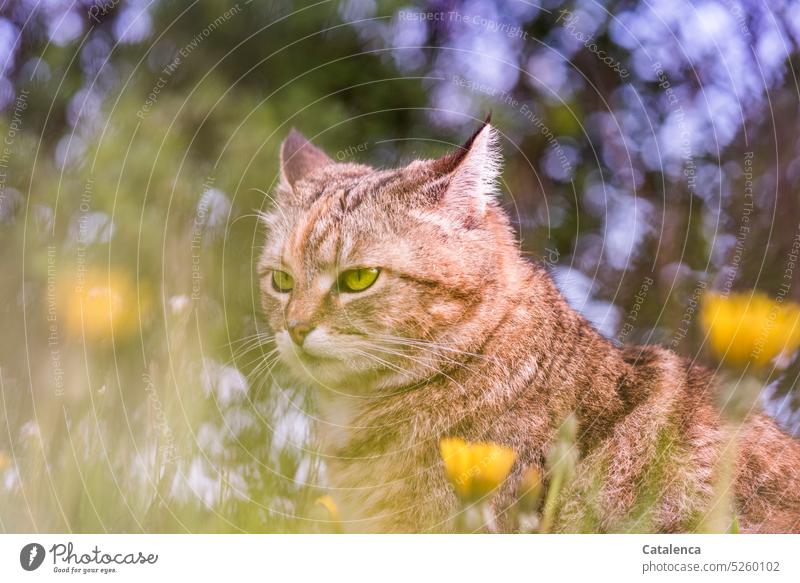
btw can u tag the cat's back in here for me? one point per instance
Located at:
(658, 374)
(674, 419)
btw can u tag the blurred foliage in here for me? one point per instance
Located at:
(140, 140)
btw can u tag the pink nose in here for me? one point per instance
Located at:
(298, 331)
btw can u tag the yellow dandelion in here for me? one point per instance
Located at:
(750, 328)
(328, 504)
(475, 469)
(99, 302)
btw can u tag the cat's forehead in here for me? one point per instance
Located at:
(337, 218)
(343, 181)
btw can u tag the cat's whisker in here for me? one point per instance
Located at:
(260, 357)
(258, 338)
(436, 355)
(268, 360)
(381, 361)
(430, 344)
(263, 379)
(242, 359)
(264, 370)
(237, 357)
(248, 343)
(249, 338)
(432, 349)
(373, 357)
(421, 362)
(240, 353)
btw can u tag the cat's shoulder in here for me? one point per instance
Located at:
(656, 370)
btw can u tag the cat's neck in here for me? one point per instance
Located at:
(550, 348)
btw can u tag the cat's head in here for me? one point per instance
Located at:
(377, 278)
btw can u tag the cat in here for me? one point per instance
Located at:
(400, 298)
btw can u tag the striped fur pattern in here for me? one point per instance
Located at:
(461, 336)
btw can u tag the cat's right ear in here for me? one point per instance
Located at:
(299, 158)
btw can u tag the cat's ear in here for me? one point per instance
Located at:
(299, 158)
(472, 172)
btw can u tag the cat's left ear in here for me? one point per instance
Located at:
(472, 171)
(299, 158)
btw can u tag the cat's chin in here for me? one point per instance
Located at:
(342, 376)
(343, 369)
(314, 366)
(326, 373)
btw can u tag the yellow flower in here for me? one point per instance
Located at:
(475, 469)
(329, 505)
(750, 328)
(99, 302)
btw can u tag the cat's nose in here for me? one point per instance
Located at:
(298, 331)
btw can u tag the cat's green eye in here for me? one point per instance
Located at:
(282, 281)
(356, 280)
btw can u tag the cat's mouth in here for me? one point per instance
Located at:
(316, 356)
(332, 357)
(307, 356)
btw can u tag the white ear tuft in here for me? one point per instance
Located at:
(478, 171)
(473, 171)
